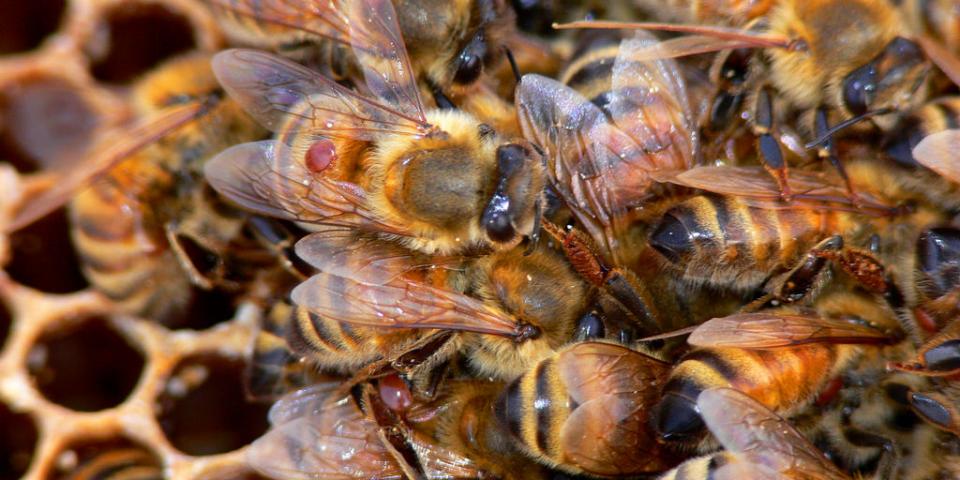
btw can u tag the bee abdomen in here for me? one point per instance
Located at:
(726, 241)
(532, 411)
(699, 468)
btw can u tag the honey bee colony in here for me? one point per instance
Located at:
(432, 239)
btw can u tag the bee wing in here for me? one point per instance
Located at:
(315, 437)
(376, 262)
(702, 38)
(768, 330)
(757, 187)
(944, 59)
(757, 435)
(380, 285)
(599, 170)
(316, 18)
(400, 303)
(254, 177)
(290, 98)
(938, 153)
(592, 369)
(58, 186)
(439, 461)
(613, 387)
(648, 101)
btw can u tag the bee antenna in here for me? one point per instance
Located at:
(442, 100)
(513, 63)
(844, 124)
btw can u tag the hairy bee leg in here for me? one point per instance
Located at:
(889, 459)
(771, 155)
(621, 286)
(190, 255)
(939, 356)
(862, 266)
(802, 279)
(827, 151)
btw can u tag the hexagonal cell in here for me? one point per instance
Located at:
(42, 120)
(26, 24)
(205, 309)
(203, 410)
(43, 256)
(18, 440)
(141, 36)
(113, 458)
(86, 366)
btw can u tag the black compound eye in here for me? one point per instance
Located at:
(470, 61)
(671, 239)
(678, 419)
(510, 158)
(859, 88)
(589, 327)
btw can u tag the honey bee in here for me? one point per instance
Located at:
(737, 240)
(438, 180)
(119, 464)
(589, 390)
(614, 123)
(783, 358)
(372, 298)
(876, 72)
(151, 230)
(757, 443)
(450, 43)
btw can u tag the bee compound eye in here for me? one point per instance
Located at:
(930, 409)
(590, 326)
(677, 419)
(938, 246)
(469, 67)
(859, 88)
(671, 239)
(510, 158)
(944, 357)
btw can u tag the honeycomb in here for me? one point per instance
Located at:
(76, 377)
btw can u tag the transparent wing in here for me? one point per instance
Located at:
(757, 435)
(317, 18)
(254, 177)
(377, 285)
(598, 170)
(314, 436)
(938, 152)
(769, 330)
(290, 98)
(343, 253)
(58, 186)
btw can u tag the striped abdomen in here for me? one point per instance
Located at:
(340, 346)
(700, 468)
(121, 244)
(781, 379)
(586, 410)
(727, 242)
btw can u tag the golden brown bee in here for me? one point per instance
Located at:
(939, 20)
(875, 71)
(373, 300)
(450, 43)
(151, 230)
(583, 410)
(616, 123)
(705, 11)
(438, 180)
(119, 464)
(783, 358)
(757, 443)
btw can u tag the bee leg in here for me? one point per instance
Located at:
(800, 282)
(890, 456)
(771, 155)
(861, 265)
(827, 151)
(279, 240)
(939, 356)
(937, 409)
